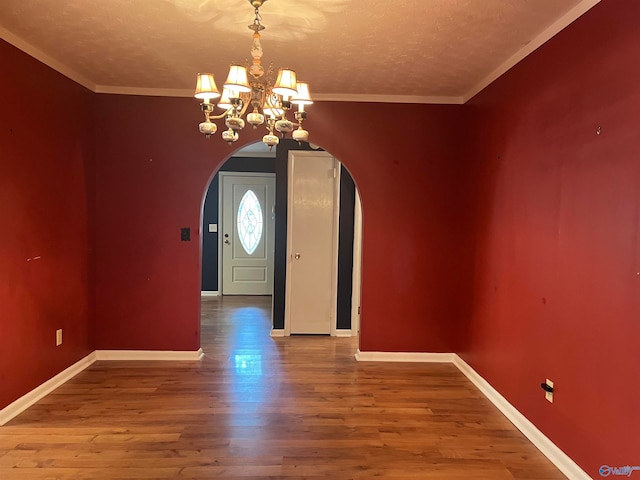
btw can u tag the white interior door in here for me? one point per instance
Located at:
(312, 243)
(247, 236)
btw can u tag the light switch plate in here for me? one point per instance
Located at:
(213, 227)
(549, 395)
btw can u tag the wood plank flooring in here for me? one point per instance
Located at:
(263, 408)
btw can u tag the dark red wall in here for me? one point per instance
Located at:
(152, 170)
(406, 161)
(46, 158)
(506, 229)
(557, 271)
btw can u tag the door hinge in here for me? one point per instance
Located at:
(358, 309)
(335, 172)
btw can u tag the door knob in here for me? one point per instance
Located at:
(297, 256)
(227, 242)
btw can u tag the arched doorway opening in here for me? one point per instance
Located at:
(254, 160)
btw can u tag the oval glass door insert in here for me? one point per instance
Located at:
(249, 222)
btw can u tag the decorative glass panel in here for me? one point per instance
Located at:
(249, 222)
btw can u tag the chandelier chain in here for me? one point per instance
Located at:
(256, 26)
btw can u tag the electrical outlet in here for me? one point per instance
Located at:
(549, 395)
(58, 337)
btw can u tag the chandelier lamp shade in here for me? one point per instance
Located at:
(251, 91)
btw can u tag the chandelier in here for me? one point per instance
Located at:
(253, 87)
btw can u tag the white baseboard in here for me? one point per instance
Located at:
(148, 355)
(539, 439)
(560, 459)
(20, 405)
(343, 333)
(209, 293)
(549, 449)
(404, 357)
(277, 332)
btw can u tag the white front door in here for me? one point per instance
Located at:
(312, 243)
(247, 236)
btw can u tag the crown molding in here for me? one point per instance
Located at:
(39, 55)
(320, 97)
(144, 92)
(557, 26)
(547, 34)
(365, 98)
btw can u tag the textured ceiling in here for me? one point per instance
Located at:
(424, 50)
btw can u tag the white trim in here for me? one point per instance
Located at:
(540, 39)
(557, 26)
(278, 332)
(404, 357)
(210, 293)
(560, 459)
(356, 279)
(144, 92)
(364, 98)
(539, 439)
(550, 450)
(335, 248)
(287, 285)
(49, 61)
(343, 332)
(20, 405)
(149, 355)
(220, 228)
(318, 97)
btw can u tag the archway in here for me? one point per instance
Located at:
(347, 305)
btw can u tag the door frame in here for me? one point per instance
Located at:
(221, 175)
(356, 289)
(290, 253)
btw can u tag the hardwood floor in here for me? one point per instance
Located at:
(263, 408)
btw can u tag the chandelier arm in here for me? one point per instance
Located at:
(218, 117)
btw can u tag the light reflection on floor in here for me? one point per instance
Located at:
(236, 332)
(248, 364)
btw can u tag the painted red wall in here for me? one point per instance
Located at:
(557, 271)
(152, 170)
(407, 163)
(46, 158)
(506, 229)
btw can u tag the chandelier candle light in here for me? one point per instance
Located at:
(253, 87)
